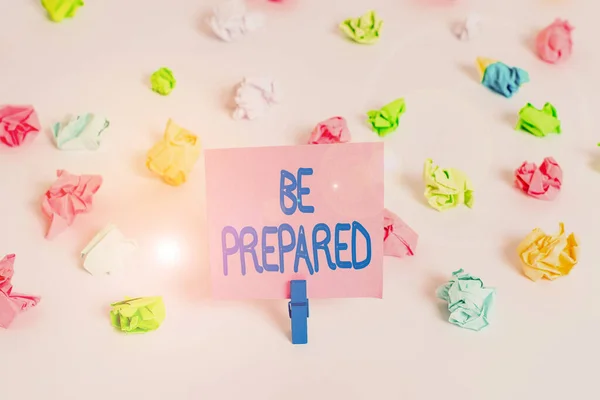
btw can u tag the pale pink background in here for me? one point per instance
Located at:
(242, 189)
(543, 339)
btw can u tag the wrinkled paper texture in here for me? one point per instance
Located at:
(17, 123)
(61, 9)
(163, 81)
(501, 78)
(11, 304)
(386, 120)
(548, 256)
(83, 132)
(231, 20)
(469, 28)
(469, 301)
(107, 252)
(174, 156)
(539, 122)
(446, 188)
(255, 96)
(399, 240)
(365, 29)
(139, 315)
(332, 130)
(554, 43)
(69, 196)
(541, 183)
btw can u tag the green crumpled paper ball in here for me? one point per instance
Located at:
(61, 9)
(138, 315)
(364, 30)
(539, 122)
(163, 81)
(469, 301)
(446, 188)
(386, 120)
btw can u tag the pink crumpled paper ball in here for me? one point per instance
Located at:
(554, 42)
(69, 196)
(11, 303)
(332, 130)
(16, 123)
(541, 183)
(399, 239)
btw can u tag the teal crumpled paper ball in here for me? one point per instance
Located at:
(469, 301)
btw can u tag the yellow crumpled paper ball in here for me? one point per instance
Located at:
(175, 155)
(548, 256)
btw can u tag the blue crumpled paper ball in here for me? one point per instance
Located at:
(503, 79)
(469, 301)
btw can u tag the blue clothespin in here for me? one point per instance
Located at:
(298, 310)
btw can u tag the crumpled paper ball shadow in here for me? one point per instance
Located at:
(11, 304)
(543, 182)
(399, 240)
(173, 157)
(446, 188)
(548, 256)
(17, 124)
(469, 301)
(554, 43)
(69, 196)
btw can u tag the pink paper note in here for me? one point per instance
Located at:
(543, 182)
(330, 193)
(16, 123)
(332, 130)
(68, 197)
(399, 239)
(11, 303)
(554, 42)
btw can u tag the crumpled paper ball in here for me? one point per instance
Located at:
(107, 252)
(163, 81)
(399, 240)
(332, 130)
(139, 315)
(539, 123)
(365, 29)
(548, 256)
(11, 303)
(541, 183)
(173, 157)
(469, 28)
(554, 43)
(231, 20)
(69, 196)
(386, 120)
(255, 96)
(81, 132)
(501, 78)
(17, 123)
(446, 188)
(61, 9)
(469, 301)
